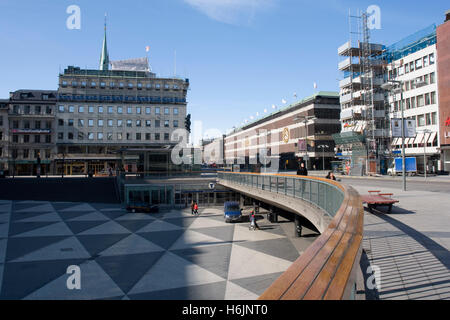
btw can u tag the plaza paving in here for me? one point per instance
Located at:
(122, 255)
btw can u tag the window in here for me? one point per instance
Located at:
(80, 136)
(166, 111)
(434, 118)
(83, 84)
(421, 120)
(147, 136)
(119, 123)
(413, 102)
(433, 98)
(90, 136)
(37, 138)
(411, 66)
(157, 136)
(37, 109)
(418, 64)
(109, 136)
(166, 137)
(91, 109)
(26, 153)
(139, 85)
(60, 135)
(129, 110)
(157, 123)
(48, 139)
(149, 85)
(47, 154)
(420, 101)
(166, 123)
(61, 109)
(110, 123)
(74, 83)
(37, 125)
(427, 99)
(166, 86)
(112, 84)
(14, 153)
(148, 110)
(26, 124)
(26, 138)
(426, 79)
(119, 136)
(121, 85)
(407, 68)
(428, 119)
(102, 84)
(80, 109)
(48, 110)
(15, 124)
(80, 123)
(36, 153)
(175, 111)
(64, 83)
(71, 109)
(158, 86)
(400, 71)
(119, 110)
(432, 58)
(100, 109)
(90, 123)
(128, 136)
(70, 122)
(148, 123)
(70, 136)
(15, 138)
(157, 110)
(407, 86)
(138, 136)
(130, 85)
(425, 61)
(138, 123)
(129, 123)
(100, 136)
(110, 110)
(100, 122)
(138, 110)
(432, 78)
(48, 124)
(93, 84)
(60, 122)
(408, 104)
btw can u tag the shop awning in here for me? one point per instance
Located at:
(431, 137)
(395, 141)
(419, 138)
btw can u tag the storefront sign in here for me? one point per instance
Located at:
(286, 135)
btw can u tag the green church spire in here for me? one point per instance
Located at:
(104, 58)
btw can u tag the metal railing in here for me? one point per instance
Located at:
(321, 193)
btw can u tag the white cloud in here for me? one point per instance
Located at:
(231, 11)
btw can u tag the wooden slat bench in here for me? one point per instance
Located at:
(381, 199)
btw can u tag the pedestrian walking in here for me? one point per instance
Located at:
(192, 207)
(196, 208)
(253, 224)
(302, 171)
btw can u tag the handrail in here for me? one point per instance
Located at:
(327, 269)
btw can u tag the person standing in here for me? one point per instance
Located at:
(302, 171)
(196, 208)
(331, 176)
(192, 207)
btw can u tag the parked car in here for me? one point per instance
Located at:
(232, 211)
(142, 207)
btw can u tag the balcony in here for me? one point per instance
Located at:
(347, 114)
(346, 98)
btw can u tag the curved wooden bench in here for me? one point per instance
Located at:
(327, 269)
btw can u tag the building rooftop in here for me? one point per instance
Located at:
(33, 95)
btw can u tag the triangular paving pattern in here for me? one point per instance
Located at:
(18, 217)
(210, 291)
(79, 207)
(181, 222)
(69, 248)
(93, 216)
(242, 233)
(246, 263)
(192, 238)
(126, 270)
(6, 207)
(80, 226)
(281, 248)
(56, 229)
(23, 227)
(134, 225)
(95, 244)
(63, 205)
(109, 227)
(71, 215)
(236, 292)
(171, 272)
(215, 259)
(23, 206)
(203, 222)
(159, 225)
(135, 216)
(4, 229)
(95, 284)
(19, 279)
(113, 214)
(257, 284)
(47, 207)
(44, 217)
(164, 239)
(132, 244)
(18, 247)
(224, 233)
(2, 252)
(4, 217)
(1, 277)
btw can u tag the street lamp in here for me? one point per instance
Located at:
(305, 119)
(323, 147)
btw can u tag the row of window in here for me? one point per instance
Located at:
(37, 110)
(427, 79)
(37, 138)
(423, 120)
(118, 110)
(118, 123)
(119, 136)
(121, 85)
(416, 102)
(26, 154)
(26, 124)
(412, 66)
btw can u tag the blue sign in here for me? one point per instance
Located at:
(396, 152)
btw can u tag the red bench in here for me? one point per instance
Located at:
(381, 199)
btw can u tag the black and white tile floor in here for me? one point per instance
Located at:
(124, 255)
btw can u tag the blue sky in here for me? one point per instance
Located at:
(241, 56)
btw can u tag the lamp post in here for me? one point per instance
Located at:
(323, 147)
(305, 119)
